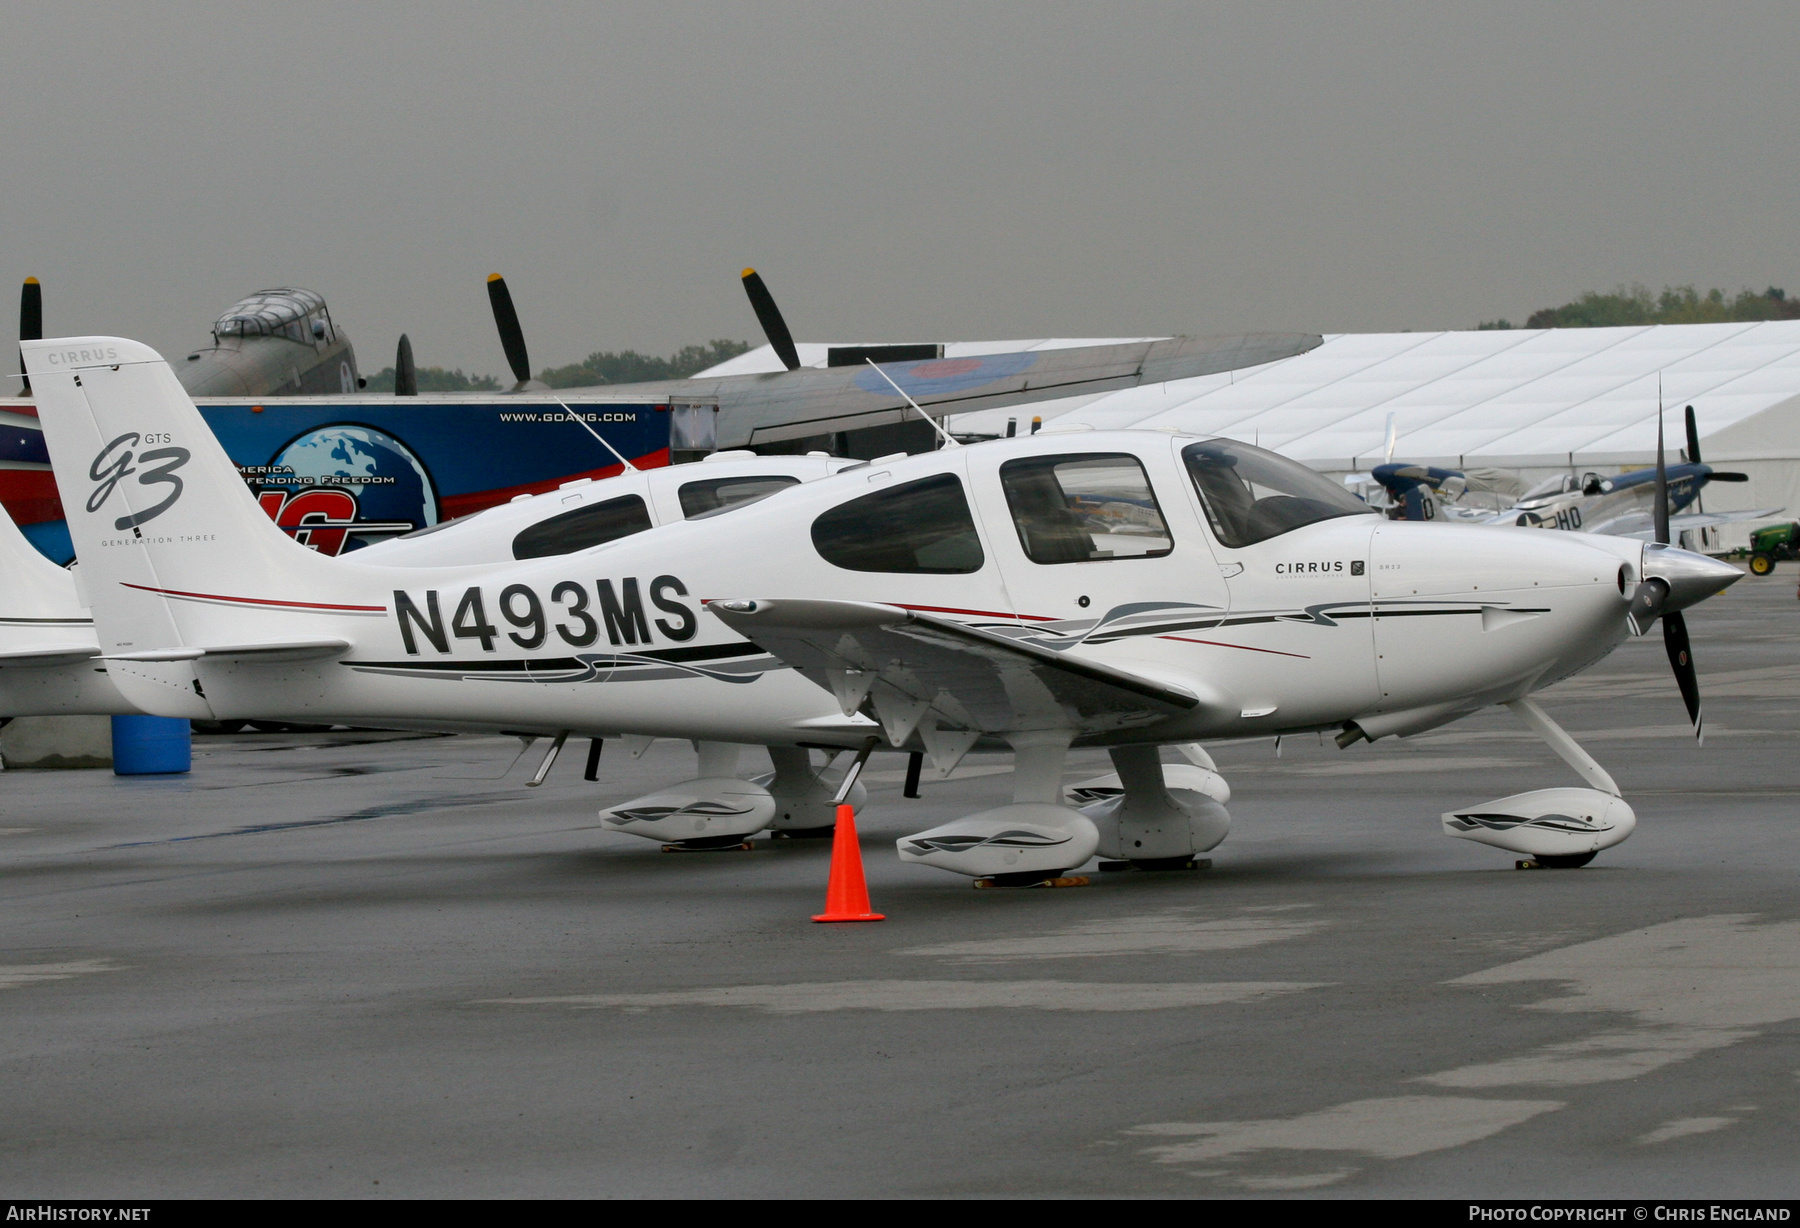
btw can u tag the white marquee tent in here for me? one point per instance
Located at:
(1542, 401)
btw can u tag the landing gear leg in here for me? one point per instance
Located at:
(804, 795)
(1559, 741)
(1555, 828)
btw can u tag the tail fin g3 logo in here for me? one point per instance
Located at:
(113, 465)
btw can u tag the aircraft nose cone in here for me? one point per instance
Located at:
(1691, 578)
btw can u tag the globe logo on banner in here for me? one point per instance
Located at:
(340, 487)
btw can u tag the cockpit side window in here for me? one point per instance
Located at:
(922, 527)
(583, 528)
(722, 494)
(1251, 495)
(1083, 507)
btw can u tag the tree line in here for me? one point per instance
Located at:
(1635, 305)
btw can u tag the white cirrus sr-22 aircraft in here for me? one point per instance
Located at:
(1124, 590)
(48, 649)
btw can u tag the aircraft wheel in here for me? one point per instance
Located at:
(1571, 861)
(1761, 564)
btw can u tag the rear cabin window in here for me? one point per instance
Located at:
(583, 527)
(921, 527)
(1084, 507)
(722, 494)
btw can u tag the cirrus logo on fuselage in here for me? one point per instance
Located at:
(1321, 568)
(113, 465)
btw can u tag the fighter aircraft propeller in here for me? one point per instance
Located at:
(1693, 455)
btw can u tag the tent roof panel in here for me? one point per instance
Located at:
(1509, 393)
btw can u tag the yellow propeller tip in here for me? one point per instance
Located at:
(31, 281)
(748, 273)
(495, 277)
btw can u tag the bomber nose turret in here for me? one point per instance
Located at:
(1691, 578)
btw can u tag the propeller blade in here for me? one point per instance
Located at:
(506, 319)
(1727, 477)
(31, 320)
(769, 316)
(1681, 660)
(406, 375)
(1647, 604)
(1661, 511)
(1392, 439)
(1693, 433)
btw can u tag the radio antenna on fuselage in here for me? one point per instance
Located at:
(597, 435)
(949, 440)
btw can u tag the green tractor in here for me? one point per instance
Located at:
(1770, 545)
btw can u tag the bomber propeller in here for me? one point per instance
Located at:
(406, 375)
(31, 321)
(512, 337)
(769, 316)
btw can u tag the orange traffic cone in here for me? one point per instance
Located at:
(847, 895)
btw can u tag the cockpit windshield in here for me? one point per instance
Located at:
(285, 311)
(1549, 488)
(1251, 495)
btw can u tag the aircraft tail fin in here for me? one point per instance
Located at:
(174, 551)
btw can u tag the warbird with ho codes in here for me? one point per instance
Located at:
(1126, 590)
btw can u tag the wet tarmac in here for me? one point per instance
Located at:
(363, 965)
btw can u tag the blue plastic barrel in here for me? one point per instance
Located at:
(151, 745)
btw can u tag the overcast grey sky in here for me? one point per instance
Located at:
(897, 172)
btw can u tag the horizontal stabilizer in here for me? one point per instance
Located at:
(965, 678)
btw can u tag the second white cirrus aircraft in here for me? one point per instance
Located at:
(1122, 590)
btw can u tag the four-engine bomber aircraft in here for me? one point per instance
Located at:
(1125, 589)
